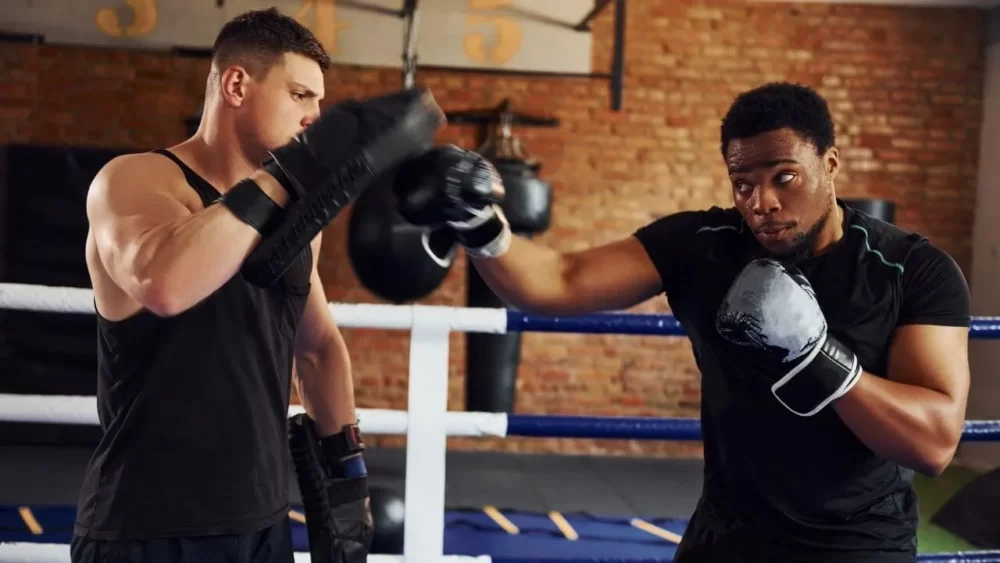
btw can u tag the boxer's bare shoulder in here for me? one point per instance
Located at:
(139, 180)
(131, 195)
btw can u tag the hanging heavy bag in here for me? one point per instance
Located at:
(387, 253)
(492, 360)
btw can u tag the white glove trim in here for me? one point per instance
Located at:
(498, 246)
(479, 217)
(853, 376)
(444, 262)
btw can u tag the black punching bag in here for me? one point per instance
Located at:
(492, 360)
(881, 209)
(388, 517)
(387, 252)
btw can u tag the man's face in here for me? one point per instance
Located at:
(783, 189)
(284, 101)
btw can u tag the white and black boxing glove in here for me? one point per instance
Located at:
(457, 194)
(772, 309)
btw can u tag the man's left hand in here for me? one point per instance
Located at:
(772, 308)
(351, 519)
(334, 493)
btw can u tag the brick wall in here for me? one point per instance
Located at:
(905, 86)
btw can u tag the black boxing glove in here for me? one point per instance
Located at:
(326, 167)
(772, 309)
(333, 484)
(456, 193)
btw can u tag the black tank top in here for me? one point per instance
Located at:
(193, 410)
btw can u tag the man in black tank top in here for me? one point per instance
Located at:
(832, 345)
(203, 264)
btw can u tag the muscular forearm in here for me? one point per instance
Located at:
(913, 426)
(530, 277)
(325, 387)
(178, 264)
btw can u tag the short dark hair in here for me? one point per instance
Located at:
(259, 38)
(779, 105)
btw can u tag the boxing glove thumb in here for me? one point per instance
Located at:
(440, 243)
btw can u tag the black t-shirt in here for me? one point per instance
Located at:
(804, 483)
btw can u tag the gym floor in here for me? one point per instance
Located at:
(530, 483)
(523, 483)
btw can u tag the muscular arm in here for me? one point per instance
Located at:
(322, 362)
(915, 416)
(617, 275)
(538, 279)
(162, 254)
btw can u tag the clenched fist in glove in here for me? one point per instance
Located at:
(773, 309)
(333, 482)
(457, 194)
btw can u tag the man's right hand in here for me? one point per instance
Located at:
(325, 168)
(389, 128)
(456, 192)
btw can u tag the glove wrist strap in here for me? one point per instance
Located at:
(343, 444)
(251, 205)
(491, 239)
(830, 371)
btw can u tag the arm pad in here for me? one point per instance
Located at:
(332, 162)
(338, 522)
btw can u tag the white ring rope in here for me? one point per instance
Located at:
(49, 299)
(426, 424)
(429, 327)
(77, 409)
(27, 552)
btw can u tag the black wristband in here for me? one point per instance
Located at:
(252, 206)
(342, 444)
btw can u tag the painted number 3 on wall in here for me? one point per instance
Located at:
(492, 38)
(143, 21)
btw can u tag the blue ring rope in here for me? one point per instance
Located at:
(992, 556)
(643, 428)
(663, 325)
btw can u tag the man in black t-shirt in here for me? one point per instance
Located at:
(832, 345)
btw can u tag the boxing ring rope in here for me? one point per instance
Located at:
(70, 409)
(35, 553)
(427, 422)
(50, 299)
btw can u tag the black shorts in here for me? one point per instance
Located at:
(726, 551)
(270, 545)
(708, 540)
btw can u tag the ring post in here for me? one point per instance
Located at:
(426, 436)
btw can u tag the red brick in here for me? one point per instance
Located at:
(905, 85)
